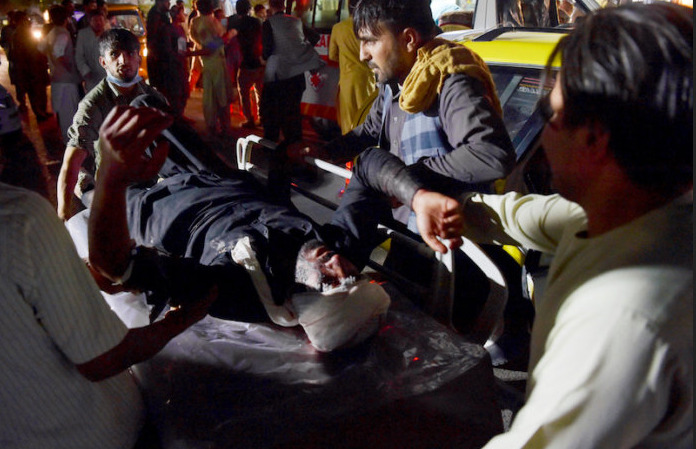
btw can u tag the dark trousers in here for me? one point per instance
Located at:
(353, 227)
(37, 97)
(280, 109)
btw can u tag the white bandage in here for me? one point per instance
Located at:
(342, 317)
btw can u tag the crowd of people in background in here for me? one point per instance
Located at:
(611, 353)
(182, 46)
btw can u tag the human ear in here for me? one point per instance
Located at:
(597, 141)
(411, 39)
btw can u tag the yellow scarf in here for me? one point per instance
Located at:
(436, 60)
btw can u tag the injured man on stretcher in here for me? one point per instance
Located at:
(177, 233)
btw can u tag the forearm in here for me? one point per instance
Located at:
(533, 221)
(67, 179)
(138, 345)
(124, 138)
(109, 239)
(385, 173)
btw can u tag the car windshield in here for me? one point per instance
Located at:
(129, 20)
(519, 89)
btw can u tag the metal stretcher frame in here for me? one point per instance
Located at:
(226, 384)
(488, 325)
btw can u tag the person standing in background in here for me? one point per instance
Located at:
(87, 7)
(6, 40)
(357, 89)
(71, 25)
(65, 80)
(288, 48)
(31, 68)
(208, 33)
(180, 69)
(251, 68)
(87, 49)
(260, 12)
(159, 54)
(195, 63)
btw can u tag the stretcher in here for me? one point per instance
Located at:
(227, 384)
(463, 276)
(416, 383)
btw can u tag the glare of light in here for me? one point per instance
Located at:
(145, 52)
(45, 16)
(36, 34)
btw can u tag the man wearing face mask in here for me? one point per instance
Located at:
(119, 54)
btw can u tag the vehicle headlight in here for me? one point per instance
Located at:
(36, 34)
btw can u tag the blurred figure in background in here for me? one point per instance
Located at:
(30, 68)
(218, 92)
(159, 51)
(71, 25)
(180, 68)
(260, 12)
(65, 80)
(288, 48)
(195, 62)
(356, 84)
(6, 39)
(19, 162)
(87, 49)
(87, 7)
(251, 68)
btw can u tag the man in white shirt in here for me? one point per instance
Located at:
(64, 353)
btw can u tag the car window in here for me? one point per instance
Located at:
(519, 89)
(129, 20)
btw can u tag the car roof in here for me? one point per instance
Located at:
(521, 47)
(120, 6)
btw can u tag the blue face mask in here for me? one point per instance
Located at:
(120, 83)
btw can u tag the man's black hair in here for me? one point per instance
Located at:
(243, 7)
(205, 7)
(118, 39)
(58, 14)
(395, 16)
(277, 4)
(95, 13)
(629, 69)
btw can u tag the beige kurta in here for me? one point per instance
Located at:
(218, 90)
(356, 85)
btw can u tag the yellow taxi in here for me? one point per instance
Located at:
(517, 59)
